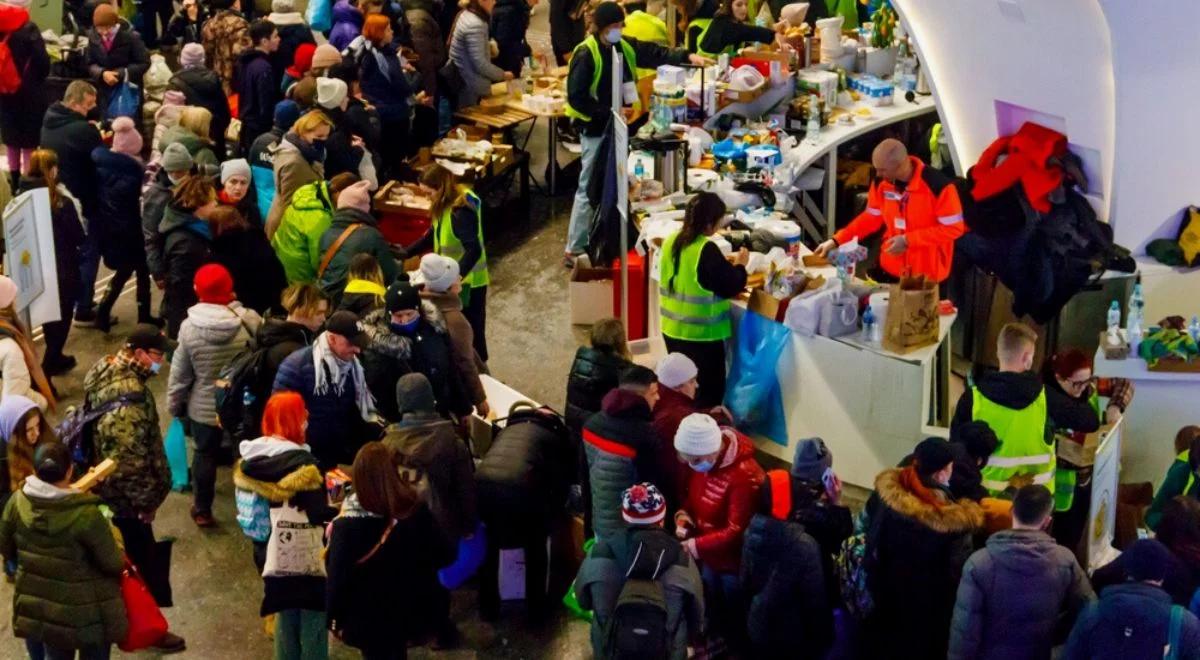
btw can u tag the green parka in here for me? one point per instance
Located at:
(297, 241)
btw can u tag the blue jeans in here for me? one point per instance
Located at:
(89, 267)
(39, 651)
(301, 635)
(581, 211)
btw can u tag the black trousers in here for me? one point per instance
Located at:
(709, 357)
(204, 464)
(152, 12)
(117, 284)
(152, 558)
(475, 310)
(56, 332)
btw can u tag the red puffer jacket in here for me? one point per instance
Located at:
(722, 501)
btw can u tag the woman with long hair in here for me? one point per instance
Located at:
(20, 370)
(470, 52)
(193, 130)
(696, 283)
(731, 28)
(384, 541)
(22, 428)
(298, 159)
(365, 286)
(187, 244)
(67, 231)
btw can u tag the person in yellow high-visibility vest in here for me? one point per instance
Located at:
(643, 23)
(456, 231)
(1181, 476)
(730, 29)
(589, 100)
(695, 284)
(1022, 412)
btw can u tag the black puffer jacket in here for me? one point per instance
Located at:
(70, 135)
(427, 351)
(593, 374)
(281, 338)
(187, 245)
(117, 221)
(510, 21)
(21, 112)
(783, 577)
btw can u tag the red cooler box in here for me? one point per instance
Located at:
(637, 294)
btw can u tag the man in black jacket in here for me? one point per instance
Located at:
(589, 100)
(256, 83)
(66, 130)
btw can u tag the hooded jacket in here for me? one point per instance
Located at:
(722, 501)
(200, 149)
(131, 436)
(426, 350)
(280, 338)
(1018, 390)
(783, 577)
(366, 238)
(462, 343)
(594, 373)
(209, 339)
(154, 204)
(336, 428)
(187, 245)
(68, 584)
(116, 223)
(621, 450)
(21, 112)
(347, 24)
(1014, 594)
(1130, 620)
(281, 471)
(1181, 579)
(915, 552)
(257, 86)
(438, 461)
(70, 135)
(297, 240)
(292, 170)
(258, 277)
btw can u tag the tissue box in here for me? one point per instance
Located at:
(672, 75)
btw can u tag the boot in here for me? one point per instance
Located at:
(104, 318)
(145, 316)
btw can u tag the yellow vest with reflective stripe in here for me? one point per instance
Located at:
(688, 310)
(1023, 454)
(447, 244)
(1183, 456)
(593, 47)
(703, 24)
(646, 27)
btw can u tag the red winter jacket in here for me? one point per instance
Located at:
(670, 410)
(1027, 154)
(722, 501)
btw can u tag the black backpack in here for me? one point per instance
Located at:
(241, 393)
(637, 627)
(76, 430)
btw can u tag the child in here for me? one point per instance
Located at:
(364, 287)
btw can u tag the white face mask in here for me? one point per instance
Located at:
(613, 36)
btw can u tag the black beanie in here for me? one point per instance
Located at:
(606, 14)
(414, 394)
(932, 455)
(401, 295)
(1146, 559)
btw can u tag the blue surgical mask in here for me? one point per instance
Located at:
(613, 36)
(703, 466)
(155, 367)
(405, 328)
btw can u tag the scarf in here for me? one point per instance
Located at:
(225, 199)
(331, 371)
(911, 481)
(107, 42)
(307, 150)
(365, 286)
(31, 362)
(381, 60)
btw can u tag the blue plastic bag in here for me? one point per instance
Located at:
(124, 101)
(753, 394)
(471, 552)
(175, 444)
(319, 15)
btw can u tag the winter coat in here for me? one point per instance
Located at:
(914, 558)
(293, 31)
(1173, 485)
(67, 227)
(340, 153)
(187, 245)
(202, 87)
(14, 373)
(470, 53)
(358, 299)
(210, 337)
(722, 501)
(1014, 594)
(297, 241)
(117, 221)
(68, 584)
(510, 21)
(258, 276)
(280, 338)
(670, 410)
(426, 351)
(462, 343)
(257, 87)
(183, 30)
(582, 69)
(262, 169)
(438, 462)
(1181, 580)
(154, 203)
(385, 86)
(407, 563)
(567, 26)
(1130, 620)
(347, 24)
(783, 578)
(336, 428)
(367, 238)
(1019, 390)
(282, 472)
(70, 135)
(200, 149)
(621, 450)
(430, 45)
(131, 436)
(225, 36)
(292, 171)
(127, 56)
(594, 373)
(21, 112)
(602, 576)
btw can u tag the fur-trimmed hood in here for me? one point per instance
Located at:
(305, 477)
(952, 518)
(397, 346)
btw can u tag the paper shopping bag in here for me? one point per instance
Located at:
(912, 317)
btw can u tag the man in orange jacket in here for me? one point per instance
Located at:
(917, 207)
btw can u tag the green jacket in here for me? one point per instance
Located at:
(68, 587)
(1174, 484)
(297, 242)
(200, 150)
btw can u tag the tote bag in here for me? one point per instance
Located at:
(295, 545)
(146, 622)
(124, 101)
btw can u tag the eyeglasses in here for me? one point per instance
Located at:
(1082, 382)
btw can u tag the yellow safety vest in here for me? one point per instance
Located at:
(1023, 454)
(593, 47)
(688, 310)
(447, 244)
(646, 27)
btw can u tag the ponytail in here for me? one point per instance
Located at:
(703, 213)
(43, 163)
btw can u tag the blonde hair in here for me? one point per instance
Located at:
(197, 120)
(302, 298)
(311, 121)
(608, 335)
(364, 266)
(1014, 338)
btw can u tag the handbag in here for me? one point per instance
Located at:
(124, 102)
(147, 625)
(294, 548)
(840, 315)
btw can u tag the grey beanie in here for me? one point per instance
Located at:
(811, 460)
(175, 158)
(414, 394)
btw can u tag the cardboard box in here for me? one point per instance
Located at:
(591, 292)
(1082, 454)
(767, 305)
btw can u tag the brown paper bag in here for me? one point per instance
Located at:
(912, 315)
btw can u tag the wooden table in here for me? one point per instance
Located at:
(501, 121)
(551, 139)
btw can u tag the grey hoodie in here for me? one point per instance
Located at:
(1013, 596)
(210, 337)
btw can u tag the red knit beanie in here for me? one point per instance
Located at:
(1069, 361)
(214, 285)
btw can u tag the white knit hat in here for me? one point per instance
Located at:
(698, 435)
(675, 369)
(235, 167)
(440, 273)
(331, 92)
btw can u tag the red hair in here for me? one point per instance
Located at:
(374, 26)
(284, 417)
(1066, 363)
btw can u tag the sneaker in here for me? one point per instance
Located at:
(60, 365)
(170, 643)
(568, 261)
(203, 519)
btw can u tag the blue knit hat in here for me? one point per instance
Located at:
(287, 112)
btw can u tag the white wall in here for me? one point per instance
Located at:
(1050, 56)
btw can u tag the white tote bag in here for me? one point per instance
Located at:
(295, 545)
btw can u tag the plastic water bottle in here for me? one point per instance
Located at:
(1114, 322)
(1194, 328)
(868, 321)
(639, 170)
(812, 132)
(1137, 306)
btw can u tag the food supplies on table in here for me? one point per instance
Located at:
(762, 156)
(819, 81)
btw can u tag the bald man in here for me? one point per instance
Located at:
(918, 209)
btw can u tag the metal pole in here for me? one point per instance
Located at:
(621, 153)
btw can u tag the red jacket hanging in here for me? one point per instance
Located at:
(1028, 152)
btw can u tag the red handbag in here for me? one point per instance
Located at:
(147, 625)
